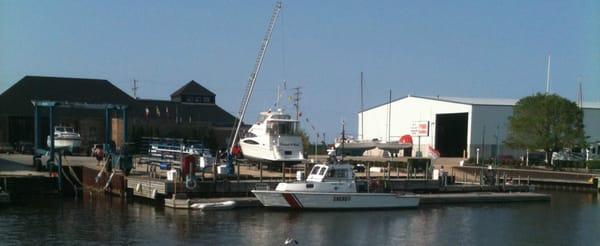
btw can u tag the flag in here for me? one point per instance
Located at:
(433, 153)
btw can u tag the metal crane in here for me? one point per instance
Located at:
(252, 80)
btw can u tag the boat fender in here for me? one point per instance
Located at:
(190, 183)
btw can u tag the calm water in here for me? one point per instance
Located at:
(570, 219)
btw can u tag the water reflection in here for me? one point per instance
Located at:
(571, 218)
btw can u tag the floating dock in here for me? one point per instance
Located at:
(426, 199)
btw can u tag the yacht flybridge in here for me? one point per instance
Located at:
(273, 138)
(331, 187)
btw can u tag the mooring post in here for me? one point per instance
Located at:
(60, 171)
(306, 169)
(124, 110)
(388, 171)
(260, 168)
(368, 172)
(36, 130)
(408, 170)
(215, 173)
(51, 124)
(238, 171)
(283, 172)
(107, 131)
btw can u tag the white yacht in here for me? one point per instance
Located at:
(273, 139)
(65, 138)
(331, 187)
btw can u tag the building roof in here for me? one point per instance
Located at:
(16, 100)
(192, 88)
(476, 101)
(479, 101)
(169, 110)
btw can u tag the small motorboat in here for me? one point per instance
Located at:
(331, 187)
(65, 138)
(214, 205)
(352, 147)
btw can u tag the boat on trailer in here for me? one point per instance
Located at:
(331, 186)
(273, 138)
(65, 138)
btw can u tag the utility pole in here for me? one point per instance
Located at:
(548, 76)
(135, 88)
(579, 92)
(296, 99)
(362, 113)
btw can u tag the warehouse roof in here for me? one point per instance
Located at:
(480, 101)
(16, 100)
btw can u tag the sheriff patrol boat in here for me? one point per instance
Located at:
(331, 186)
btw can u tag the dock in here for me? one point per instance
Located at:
(18, 177)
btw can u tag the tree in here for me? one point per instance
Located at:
(305, 140)
(546, 121)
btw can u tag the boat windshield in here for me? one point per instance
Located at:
(315, 170)
(262, 118)
(276, 128)
(337, 173)
(60, 129)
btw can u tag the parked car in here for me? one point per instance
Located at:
(7, 148)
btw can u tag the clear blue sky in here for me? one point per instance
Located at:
(447, 48)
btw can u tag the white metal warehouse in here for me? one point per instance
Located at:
(457, 126)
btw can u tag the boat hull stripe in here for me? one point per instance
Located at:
(291, 200)
(297, 200)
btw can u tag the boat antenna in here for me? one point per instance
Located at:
(343, 139)
(278, 97)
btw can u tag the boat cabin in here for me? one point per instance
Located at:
(277, 123)
(61, 129)
(324, 173)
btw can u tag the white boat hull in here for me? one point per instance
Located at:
(276, 154)
(65, 143)
(326, 200)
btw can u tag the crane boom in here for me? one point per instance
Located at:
(252, 80)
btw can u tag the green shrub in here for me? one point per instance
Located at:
(569, 164)
(593, 164)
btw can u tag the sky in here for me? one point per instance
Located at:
(490, 49)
